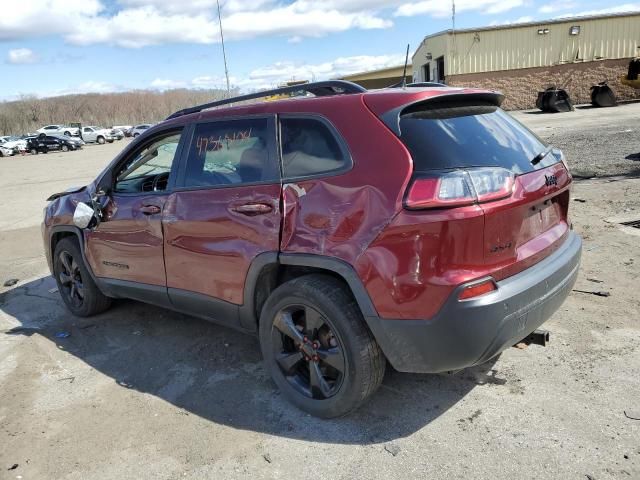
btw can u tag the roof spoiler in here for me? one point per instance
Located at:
(447, 100)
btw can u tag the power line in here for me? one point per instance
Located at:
(224, 53)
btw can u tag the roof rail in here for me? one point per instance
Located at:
(319, 89)
(418, 85)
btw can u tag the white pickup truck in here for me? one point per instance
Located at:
(97, 134)
(61, 129)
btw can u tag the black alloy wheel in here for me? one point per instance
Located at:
(308, 353)
(317, 347)
(70, 277)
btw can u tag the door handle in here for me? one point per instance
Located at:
(252, 209)
(150, 209)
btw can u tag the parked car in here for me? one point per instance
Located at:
(423, 227)
(48, 143)
(139, 129)
(76, 141)
(63, 129)
(117, 134)
(123, 128)
(12, 145)
(93, 134)
(6, 152)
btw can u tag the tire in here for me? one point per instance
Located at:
(67, 134)
(33, 151)
(64, 148)
(298, 307)
(100, 140)
(73, 273)
(135, 135)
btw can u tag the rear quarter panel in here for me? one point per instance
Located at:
(341, 215)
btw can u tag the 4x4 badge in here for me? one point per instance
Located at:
(550, 180)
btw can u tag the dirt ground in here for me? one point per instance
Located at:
(139, 392)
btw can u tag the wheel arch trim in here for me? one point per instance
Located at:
(79, 235)
(249, 317)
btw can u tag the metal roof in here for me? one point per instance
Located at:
(533, 23)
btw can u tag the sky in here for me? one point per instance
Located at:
(57, 47)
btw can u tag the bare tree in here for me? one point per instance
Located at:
(29, 113)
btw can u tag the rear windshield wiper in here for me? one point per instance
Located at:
(538, 158)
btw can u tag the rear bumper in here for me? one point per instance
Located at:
(469, 333)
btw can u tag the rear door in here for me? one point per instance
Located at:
(224, 213)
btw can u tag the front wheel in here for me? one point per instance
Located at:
(317, 347)
(67, 134)
(33, 151)
(65, 148)
(77, 289)
(100, 140)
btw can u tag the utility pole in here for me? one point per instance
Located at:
(224, 53)
(453, 34)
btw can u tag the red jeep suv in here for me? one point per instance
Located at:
(347, 228)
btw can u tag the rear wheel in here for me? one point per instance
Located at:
(77, 289)
(100, 140)
(318, 348)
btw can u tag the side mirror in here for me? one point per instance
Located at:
(83, 215)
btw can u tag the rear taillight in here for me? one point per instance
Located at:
(459, 187)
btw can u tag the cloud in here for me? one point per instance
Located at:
(557, 6)
(440, 9)
(21, 56)
(29, 18)
(271, 76)
(140, 23)
(624, 8)
(140, 27)
(166, 84)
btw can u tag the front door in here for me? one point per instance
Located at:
(126, 249)
(224, 212)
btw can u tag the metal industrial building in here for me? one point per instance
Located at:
(520, 59)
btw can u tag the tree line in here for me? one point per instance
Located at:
(28, 113)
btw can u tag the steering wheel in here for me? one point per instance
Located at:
(158, 179)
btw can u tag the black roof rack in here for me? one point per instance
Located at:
(418, 85)
(319, 89)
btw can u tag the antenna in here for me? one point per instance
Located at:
(224, 53)
(404, 72)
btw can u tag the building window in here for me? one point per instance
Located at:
(574, 30)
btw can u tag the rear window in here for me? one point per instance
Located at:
(470, 136)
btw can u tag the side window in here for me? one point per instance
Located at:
(230, 152)
(147, 169)
(309, 148)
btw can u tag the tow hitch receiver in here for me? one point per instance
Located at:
(537, 337)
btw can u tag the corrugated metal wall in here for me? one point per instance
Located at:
(523, 47)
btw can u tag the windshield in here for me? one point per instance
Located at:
(471, 136)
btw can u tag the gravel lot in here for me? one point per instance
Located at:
(140, 392)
